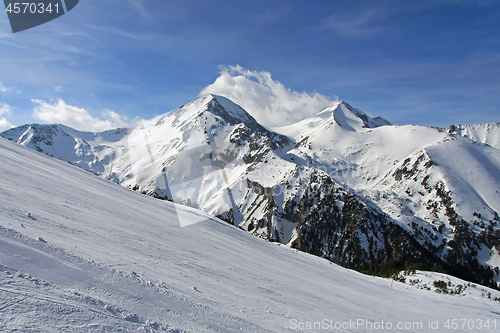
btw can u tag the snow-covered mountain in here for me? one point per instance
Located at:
(81, 254)
(342, 185)
(441, 187)
(484, 133)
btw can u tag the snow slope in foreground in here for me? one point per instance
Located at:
(78, 253)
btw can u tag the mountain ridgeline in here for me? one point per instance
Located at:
(341, 185)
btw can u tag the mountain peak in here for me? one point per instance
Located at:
(351, 118)
(219, 107)
(227, 109)
(368, 122)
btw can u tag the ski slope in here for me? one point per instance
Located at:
(80, 254)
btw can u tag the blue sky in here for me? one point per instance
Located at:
(108, 62)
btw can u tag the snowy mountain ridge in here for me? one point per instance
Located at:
(341, 185)
(485, 133)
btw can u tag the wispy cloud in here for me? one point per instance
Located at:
(364, 23)
(139, 5)
(78, 118)
(271, 15)
(122, 32)
(5, 34)
(267, 100)
(9, 90)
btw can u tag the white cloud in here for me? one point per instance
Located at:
(9, 90)
(117, 119)
(267, 100)
(5, 110)
(78, 118)
(4, 124)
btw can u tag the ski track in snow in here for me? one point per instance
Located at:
(79, 253)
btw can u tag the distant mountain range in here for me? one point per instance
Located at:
(341, 185)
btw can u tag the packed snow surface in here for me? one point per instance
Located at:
(79, 253)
